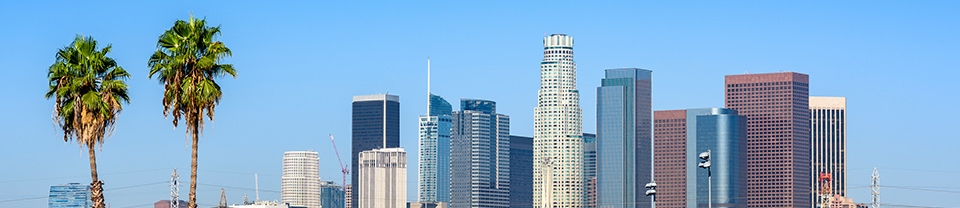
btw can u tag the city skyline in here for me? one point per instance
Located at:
(698, 45)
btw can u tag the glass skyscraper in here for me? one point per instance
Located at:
(71, 195)
(434, 152)
(479, 156)
(624, 138)
(521, 172)
(376, 125)
(331, 195)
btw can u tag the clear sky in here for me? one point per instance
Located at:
(299, 64)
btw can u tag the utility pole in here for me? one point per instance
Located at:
(875, 188)
(706, 164)
(174, 189)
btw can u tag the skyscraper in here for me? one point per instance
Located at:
(624, 138)
(331, 195)
(557, 133)
(300, 183)
(383, 178)
(589, 170)
(778, 136)
(376, 124)
(479, 156)
(680, 136)
(829, 141)
(521, 172)
(434, 152)
(71, 195)
(347, 192)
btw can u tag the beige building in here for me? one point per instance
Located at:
(300, 183)
(383, 178)
(558, 135)
(828, 139)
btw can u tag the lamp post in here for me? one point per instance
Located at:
(705, 157)
(652, 192)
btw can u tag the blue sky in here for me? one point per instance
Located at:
(299, 63)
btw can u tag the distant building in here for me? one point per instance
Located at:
(844, 202)
(376, 125)
(828, 137)
(71, 195)
(590, 170)
(778, 136)
(331, 195)
(521, 172)
(262, 204)
(479, 156)
(681, 135)
(426, 205)
(383, 178)
(166, 204)
(347, 192)
(624, 138)
(300, 183)
(434, 152)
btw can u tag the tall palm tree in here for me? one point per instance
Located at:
(88, 87)
(186, 62)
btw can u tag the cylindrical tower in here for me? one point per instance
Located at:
(558, 134)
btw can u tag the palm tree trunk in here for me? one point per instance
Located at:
(96, 187)
(193, 166)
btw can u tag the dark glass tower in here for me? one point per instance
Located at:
(624, 138)
(521, 172)
(376, 124)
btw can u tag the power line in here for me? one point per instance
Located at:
(234, 187)
(921, 189)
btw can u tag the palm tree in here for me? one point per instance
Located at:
(88, 87)
(186, 63)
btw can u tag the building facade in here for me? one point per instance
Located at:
(778, 136)
(347, 192)
(589, 170)
(557, 134)
(71, 195)
(383, 178)
(434, 174)
(670, 157)
(331, 195)
(624, 138)
(479, 156)
(828, 137)
(521, 172)
(166, 204)
(300, 183)
(376, 125)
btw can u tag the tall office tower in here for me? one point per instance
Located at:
(557, 132)
(331, 195)
(479, 156)
(383, 178)
(589, 170)
(347, 192)
(679, 137)
(828, 138)
(624, 138)
(778, 136)
(69, 196)
(434, 167)
(376, 124)
(521, 172)
(300, 183)
(669, 160)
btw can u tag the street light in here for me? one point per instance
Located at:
(705, 156)
(652, 192)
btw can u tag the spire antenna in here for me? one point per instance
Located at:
(428, 85)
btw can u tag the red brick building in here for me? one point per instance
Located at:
(670, 147)
(778, 136)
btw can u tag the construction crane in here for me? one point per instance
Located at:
(344, 169)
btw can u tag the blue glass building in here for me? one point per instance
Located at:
(434, 169)
(624, 138)
(331, 195)
(521, 172)
(724, 133)
(71, 195)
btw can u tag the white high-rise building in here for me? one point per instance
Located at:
(383, 178)
(558, 134)
(300, 183)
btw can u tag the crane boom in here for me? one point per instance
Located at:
(344, 169)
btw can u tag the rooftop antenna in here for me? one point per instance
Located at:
(256, 181)
(428, 85)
